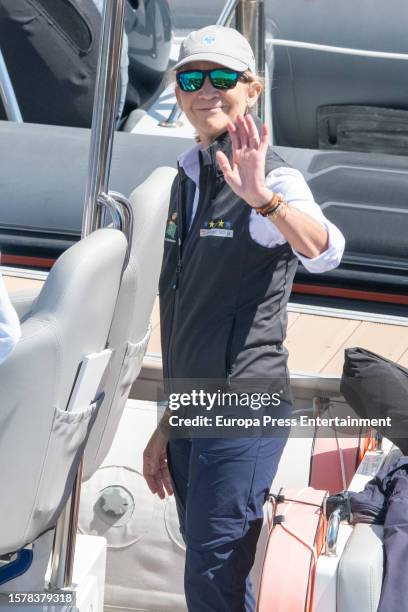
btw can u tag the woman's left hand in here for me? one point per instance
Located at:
(247, 175)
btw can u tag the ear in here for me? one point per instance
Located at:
(254, 91)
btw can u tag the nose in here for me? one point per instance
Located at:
(208, 88)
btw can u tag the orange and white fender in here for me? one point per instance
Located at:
(296, 539)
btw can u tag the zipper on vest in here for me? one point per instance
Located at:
(204, 194)
(228, 359)
(175, 284)
(179, 266)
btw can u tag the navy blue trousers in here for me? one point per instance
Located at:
(220, 486)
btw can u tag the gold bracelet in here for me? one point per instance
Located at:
(271, 206)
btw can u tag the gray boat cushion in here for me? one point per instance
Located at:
(44, 171)
(129, 334)
(23, 300)
(40, 442)
(360, 572)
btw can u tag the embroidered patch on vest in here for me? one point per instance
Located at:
(217, 227)
(170, 235)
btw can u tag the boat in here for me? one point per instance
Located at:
(85, 524)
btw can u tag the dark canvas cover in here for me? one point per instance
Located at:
(376, 387)
(51, 51)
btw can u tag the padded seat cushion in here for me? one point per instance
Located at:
(360, 572)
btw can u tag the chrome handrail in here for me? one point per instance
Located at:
(105, 199)
(251, 23)
(97, 199)
(8, 95)
(332, 533)
(63, 552)
(104, 111)
(378, 441)
(297, 44)
(121, 212)
(227, 12)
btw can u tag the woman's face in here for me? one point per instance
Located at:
(209, 109)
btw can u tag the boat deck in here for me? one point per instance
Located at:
(316, 336)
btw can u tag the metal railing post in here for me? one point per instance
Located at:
(7, 94)
(103, 125)
(251, 24)
(104, 111)
(63, 552)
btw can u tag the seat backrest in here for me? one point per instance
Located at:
(360, 572)
(41, 443)
(130, 330)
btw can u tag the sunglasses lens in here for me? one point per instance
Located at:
(190, 80)
(224, 79)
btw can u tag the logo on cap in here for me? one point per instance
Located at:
(209, 40)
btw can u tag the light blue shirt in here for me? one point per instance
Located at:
(292, 185)
(9, 324)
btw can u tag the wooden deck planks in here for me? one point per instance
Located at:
(314, 340)
(390, 341)
(315, 343)
(17, 283)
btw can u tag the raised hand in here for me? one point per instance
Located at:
(246, 177)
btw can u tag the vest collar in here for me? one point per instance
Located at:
(221, 143)
(207, 156)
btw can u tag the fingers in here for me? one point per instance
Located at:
(245, 134)
(223, 163)
(166, 479)
(242, 131)
(234, 134)
(264, 142)
(154, 484)
(231, 175)
(253, 136)
(156, 474)
(158, 479)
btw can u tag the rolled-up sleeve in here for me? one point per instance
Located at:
(10, 331)
(292, 185)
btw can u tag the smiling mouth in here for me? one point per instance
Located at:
(211, 108)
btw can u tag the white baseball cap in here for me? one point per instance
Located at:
(218, 44)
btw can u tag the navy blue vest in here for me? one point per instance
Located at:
(223, 296)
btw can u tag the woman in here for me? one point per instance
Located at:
(239, 220)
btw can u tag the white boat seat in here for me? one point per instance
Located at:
(130, 332)
(41, 443)
(360, 572)
(23, 301)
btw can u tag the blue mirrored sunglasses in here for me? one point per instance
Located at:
(221, 78)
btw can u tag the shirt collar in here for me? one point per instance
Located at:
(188, 160)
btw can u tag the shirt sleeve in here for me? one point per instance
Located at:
(292, 185)
(9, 323)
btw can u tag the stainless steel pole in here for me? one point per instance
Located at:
(104, 110)
(62, 563)
(251, 23)
(7, 94)
(103, 125)
(227, 13)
